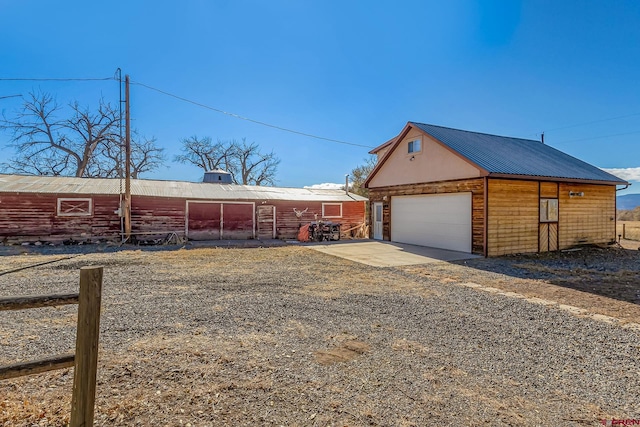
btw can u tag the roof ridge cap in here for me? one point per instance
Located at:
(477, 133)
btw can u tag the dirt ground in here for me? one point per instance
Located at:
(289, 336)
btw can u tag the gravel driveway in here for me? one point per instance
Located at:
(289, 336)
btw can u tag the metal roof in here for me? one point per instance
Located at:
(515, 156)
(174, 189)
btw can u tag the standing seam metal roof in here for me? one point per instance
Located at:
(515, 156)
(174, 189)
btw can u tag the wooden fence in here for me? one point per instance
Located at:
(628, 230)
(85, 359)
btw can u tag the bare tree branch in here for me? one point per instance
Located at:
(243, 161)
(205, 154)
(85, 144)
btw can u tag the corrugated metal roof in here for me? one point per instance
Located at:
(515, 156)
(177, 189)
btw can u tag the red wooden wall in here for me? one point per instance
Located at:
(33, 217)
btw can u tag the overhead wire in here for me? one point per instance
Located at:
(596, 137)
(11, 79)
(237, 116)
(586, 123)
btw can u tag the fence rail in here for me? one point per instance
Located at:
(85, 359)
(37, 366)
(36, 301)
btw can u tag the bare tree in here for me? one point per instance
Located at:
(146, 156)
(85, 144)
(251, 167)
(205, 154)
(246, 164)
(359, 175)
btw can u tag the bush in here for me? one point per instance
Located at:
(629, 215)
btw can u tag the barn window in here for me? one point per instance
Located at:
(75, 207)
(332, 210)
(413, 146)
(548, 210)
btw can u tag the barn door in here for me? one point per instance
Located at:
(266, 222)
(237, 220)
(203, 221)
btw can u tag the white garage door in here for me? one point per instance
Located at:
(438, 220)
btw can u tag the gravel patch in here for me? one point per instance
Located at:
(290, 336)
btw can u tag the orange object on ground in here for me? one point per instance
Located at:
(303, 233)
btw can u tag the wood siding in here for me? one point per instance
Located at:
(157, 214)
(589, 218)
(513, 211)
(288, 224)
(33, 217)
(474, 186)
(549, 190)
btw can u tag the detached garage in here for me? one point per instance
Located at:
(487, 194)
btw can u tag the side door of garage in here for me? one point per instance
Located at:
(434, 220)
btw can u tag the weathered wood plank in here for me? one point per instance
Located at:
(35, 301)
(36, 366)
(86, 362)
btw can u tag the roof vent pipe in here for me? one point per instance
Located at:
(346, 184)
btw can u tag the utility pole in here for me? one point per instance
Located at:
(127, 162)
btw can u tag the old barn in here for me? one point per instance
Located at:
(53, 209)
(487, 194)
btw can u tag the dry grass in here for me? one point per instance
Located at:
(282, 336)
(629, 230)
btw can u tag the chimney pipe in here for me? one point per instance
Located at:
(346, 184)
(542, 137)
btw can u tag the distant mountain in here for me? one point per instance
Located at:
(628, 201)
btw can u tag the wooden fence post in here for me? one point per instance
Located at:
(624, 234)
(86, 366)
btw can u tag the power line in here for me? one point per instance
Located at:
(588, 123)
(237, 116)
(4, 79)
(596, 137)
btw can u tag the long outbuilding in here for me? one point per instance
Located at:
(54, 209)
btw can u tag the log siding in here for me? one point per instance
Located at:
(475, 186)
(510, 221)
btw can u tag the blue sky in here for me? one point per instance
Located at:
(354, 71)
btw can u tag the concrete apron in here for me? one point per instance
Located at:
(387, 254)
